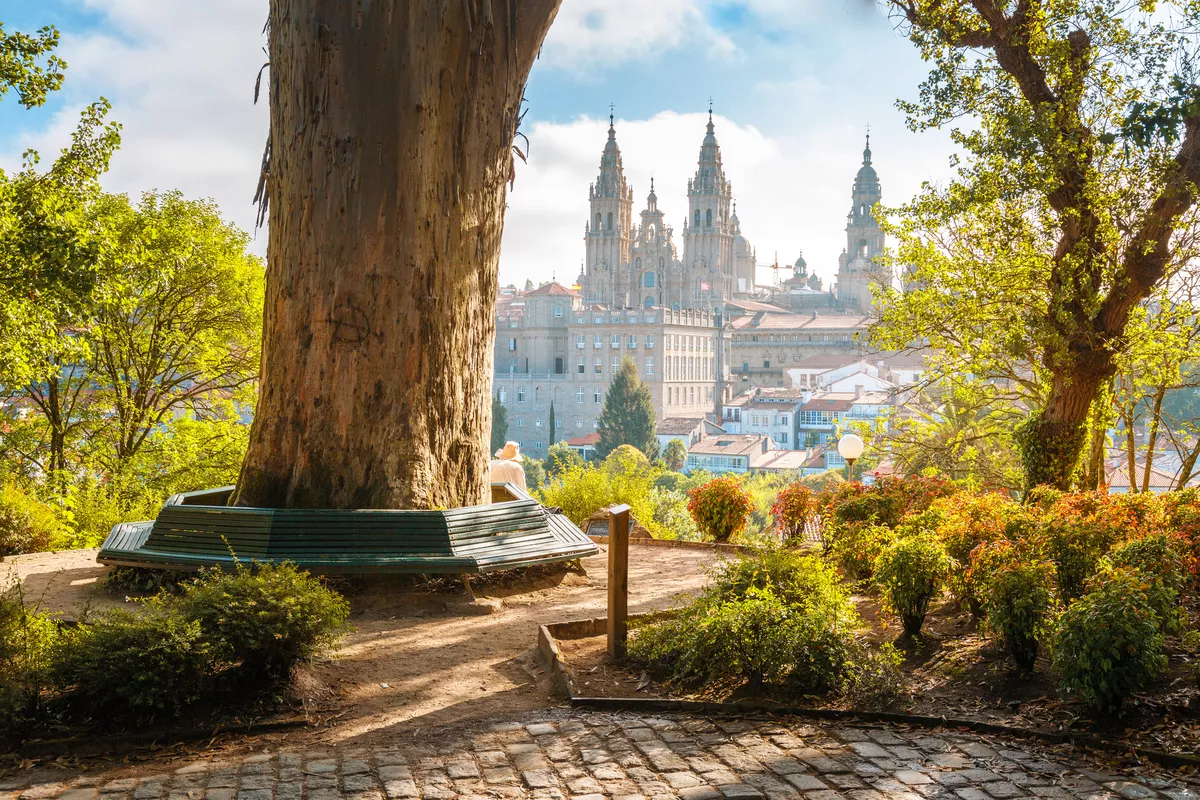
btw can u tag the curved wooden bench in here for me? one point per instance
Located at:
(195, 530)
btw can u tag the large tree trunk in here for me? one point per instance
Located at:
(390, 147)
(1052, 439)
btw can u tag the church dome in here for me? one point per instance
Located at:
(741, 245)
(866, 173)
(801, 264)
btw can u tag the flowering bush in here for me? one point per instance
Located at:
(1108, 642)
(720, 508)
(966, 521)
(911, 571)
(886, 502)
(794, 507)
(854, 546)
(1019, 600)
(1160, 566)
(1181, 512)
(1076, 547)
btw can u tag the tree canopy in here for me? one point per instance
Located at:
(29, 66)
(1074, 200)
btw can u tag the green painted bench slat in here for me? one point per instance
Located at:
(195, 530)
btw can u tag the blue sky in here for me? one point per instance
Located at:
(794, 84)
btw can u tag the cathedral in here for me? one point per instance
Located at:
(629, 265)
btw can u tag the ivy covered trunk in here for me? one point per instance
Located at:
(392, 127)
(1052, 440)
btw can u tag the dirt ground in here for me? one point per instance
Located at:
(416, 658)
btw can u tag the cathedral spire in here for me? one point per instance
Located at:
(867, 151)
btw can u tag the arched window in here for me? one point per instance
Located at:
(862, 248)
(648, 280)
(863, 209)
(597, 228)
(609, 227)
(557, 312)
(697, 225)
(708, 218)
(639, 263)
(649, 304)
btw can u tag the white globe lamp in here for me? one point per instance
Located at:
(850, 447)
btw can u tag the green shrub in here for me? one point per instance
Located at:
(1108, 641)
(671, 517)
(267, 618)
(139, 665)
(92, 507)
(27, 640)
(142, 580)
(1042, 498)
(1019, 600)
(776, 616)
(756, 637)
(1076, 548)
(1157, 559)
(26, 524)
(582, 491)
(535, 473)
(910, 572)
(763, 489)
(626, 461)
(720, 508)
(799, 580)
(855, 546)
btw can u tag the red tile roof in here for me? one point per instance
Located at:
(556, 289)
(584, 441)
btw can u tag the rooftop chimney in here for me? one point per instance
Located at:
(858, 390)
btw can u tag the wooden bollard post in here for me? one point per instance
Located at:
(618, 580)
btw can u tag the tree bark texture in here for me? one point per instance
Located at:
(390, 146)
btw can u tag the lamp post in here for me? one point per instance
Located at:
(850, 447)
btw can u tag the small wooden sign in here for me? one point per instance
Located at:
(618, 580)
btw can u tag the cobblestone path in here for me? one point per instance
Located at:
(593, 756)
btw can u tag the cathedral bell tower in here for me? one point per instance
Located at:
(858, 266)
(607, 232)
(708, 233)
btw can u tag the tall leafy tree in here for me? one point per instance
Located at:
(560, 458)
(1074, 202)
(29, 66)
(628, 414)
(50, 251)
(178, 320)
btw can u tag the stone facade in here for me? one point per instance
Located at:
(556, 350)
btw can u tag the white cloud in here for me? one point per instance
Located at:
(598, 34)
(793, 190)
(181, 78)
